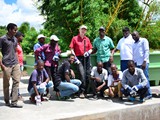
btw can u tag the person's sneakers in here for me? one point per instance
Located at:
(132, 99)
(15, 105)
(148, 97)
(7, 104)
(20, 98)
(141, 100)
(95, 97)
(120, 98)
(82, 96)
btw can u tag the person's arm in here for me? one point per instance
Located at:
(67, 78)
(2, 66)
(35, 88)
(72, 73)
(146, 53)
(100, 87)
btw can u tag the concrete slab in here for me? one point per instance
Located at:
(80, 109)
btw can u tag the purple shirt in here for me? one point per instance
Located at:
(38, 77)
(49, 52)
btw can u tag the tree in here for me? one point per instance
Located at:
(3, 30)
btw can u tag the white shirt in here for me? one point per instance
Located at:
(103, 76)
(111, 79)
(125, 47)
(141, 51)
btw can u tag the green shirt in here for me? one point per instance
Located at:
(103, 47)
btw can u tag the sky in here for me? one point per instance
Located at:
(19, 11)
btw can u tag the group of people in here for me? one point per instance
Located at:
(131, 80)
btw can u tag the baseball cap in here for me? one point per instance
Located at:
(102, 28)
(83, 26)
(18, 34)
(41, 36)
(54, 37)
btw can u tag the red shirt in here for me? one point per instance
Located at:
(77, 44)
(20, 54)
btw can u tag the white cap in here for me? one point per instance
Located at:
(83, 26)
(54, 37)
(41, 36)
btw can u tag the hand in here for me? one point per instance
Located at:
(144, 65)
(135, 88)
(55, 58)
(76, 60)
(86, 54)
(43, 85)
(37, 97)
(133, 93)
(98, 89)
(97, 79)
(111, 59)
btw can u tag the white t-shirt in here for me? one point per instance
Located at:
(111, 79)
(125, 47)
(103, 75)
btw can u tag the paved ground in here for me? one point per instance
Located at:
(54, 109)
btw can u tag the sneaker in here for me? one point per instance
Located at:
(20, 98)
(95, 97)
(142, 100)
(15, 106)
(82, 96)
(148, 97)
(132, 99)
(7, 104)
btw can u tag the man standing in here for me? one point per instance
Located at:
(134, 82)
(125, 46)
(99, 77)
(141, 56)
(104, 47)
(51, 52)
(81, 47)
(41, 40)
(10, 66)
(19, 50)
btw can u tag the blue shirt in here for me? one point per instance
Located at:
(38, 45)
(38, 77)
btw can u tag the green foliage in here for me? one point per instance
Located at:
(3, 30)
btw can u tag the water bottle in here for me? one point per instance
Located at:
(38, 100)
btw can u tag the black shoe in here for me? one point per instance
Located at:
(15, 106)
(7, 104)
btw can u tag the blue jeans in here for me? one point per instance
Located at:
(124, 65)
(41, 90)
(146, 73)
(68, 88)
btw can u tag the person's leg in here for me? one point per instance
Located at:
(93, 87)
(76, 82)
(16, 76)
(88, 72)
(142, 92)
(103, 89)
(67, 89)
(6, 78)
(19, 95)
(107, 65)
(119, 89)
(124, 65)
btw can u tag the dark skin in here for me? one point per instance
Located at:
(115, 76)
(41, 40)
(10, 33)
(125, 35)
(40, 66)
(71, 61)
(131, 67)
(102, 35)
(135, 36)
(99, 70)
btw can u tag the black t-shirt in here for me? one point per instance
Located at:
(64, 68)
